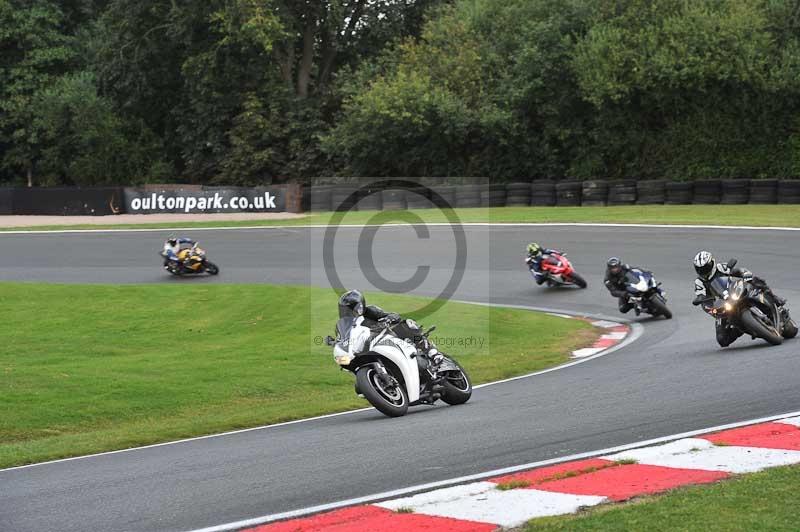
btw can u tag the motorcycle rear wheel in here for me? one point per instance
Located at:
(457, 387)
(393, 403)
(579, 281)
(754, 326)
(660, 308)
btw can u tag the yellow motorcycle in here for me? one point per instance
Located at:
(192, 261)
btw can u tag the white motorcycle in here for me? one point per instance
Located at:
(392, 372)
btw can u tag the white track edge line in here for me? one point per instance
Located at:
(480, 476)
(636, 332)
(429, 224)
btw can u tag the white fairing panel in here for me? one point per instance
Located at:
(400, 352)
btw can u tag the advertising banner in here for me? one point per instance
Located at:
(207, 199)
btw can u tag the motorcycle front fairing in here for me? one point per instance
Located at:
(402, 353)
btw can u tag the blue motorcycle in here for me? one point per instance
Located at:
(646, 294)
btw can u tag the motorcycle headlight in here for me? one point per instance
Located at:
(728, 306)
(342, 357)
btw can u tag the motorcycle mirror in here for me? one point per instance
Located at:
(732, 262)
(330, 341)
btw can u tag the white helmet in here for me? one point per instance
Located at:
(705, 265)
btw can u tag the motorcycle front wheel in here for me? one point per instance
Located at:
(660, 308)
(212, 268)
(754, 326)
(578, 280)
(789, 329)
(390, 400)
(457, 387)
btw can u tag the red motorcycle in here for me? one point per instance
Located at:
(558, 271)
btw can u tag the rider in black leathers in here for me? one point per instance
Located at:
(615, 282)
(707, 267)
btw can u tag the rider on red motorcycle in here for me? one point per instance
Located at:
(536, 255)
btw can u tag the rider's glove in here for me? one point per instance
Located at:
(391, 318)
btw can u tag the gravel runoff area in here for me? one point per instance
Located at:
(32, 220)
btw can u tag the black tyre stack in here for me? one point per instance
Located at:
(543, 193)
(735, 191)
(468, 196)
(651, 192)
(447, 193)
(594, 193)
(622, 192)
(393, 199)
(763, 191)
(518, 194)
(707, 192)
(789, 191)
(320, 198)
(678, 193)
(417, 198)
(493, 195)
(568, 193)
(342, 198)
(369, 199)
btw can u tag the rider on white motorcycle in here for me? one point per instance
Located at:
(352, 303)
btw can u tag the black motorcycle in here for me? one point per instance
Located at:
(645, 293)
(744, 305)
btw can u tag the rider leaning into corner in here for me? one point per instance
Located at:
(172, 247)
(707, 268)
(353, 303)
(536, 255)
(615, 282)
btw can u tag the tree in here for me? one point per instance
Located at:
(33, 52)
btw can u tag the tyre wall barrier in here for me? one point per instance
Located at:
(651, 192)
(789, 191)
(593, 192)
(568, 193)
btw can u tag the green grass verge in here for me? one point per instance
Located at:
(751, 215)
(759, 501)
(89, 368)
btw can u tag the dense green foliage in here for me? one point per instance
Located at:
(255, 91)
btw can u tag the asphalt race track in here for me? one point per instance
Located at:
(673, 379)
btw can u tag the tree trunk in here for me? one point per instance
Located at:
(307, 61)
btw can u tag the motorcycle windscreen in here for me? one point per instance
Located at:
(719, 285)
(637, 280)
(344, 327)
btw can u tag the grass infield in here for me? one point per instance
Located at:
(746, 215)
(90, 368)
(757, 501)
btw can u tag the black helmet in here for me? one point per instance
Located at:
(172, 241)
(704, 265)
(614, 265)
(351, 303)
